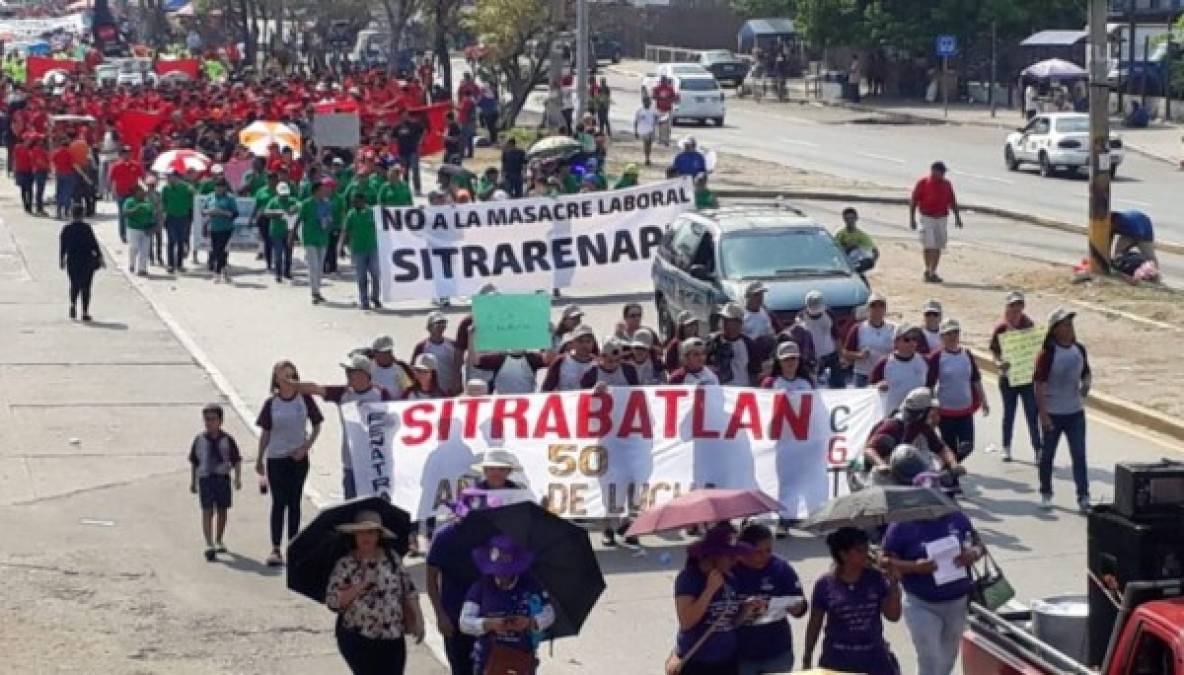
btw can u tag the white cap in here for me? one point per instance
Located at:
(217, 170)
(425, 362)
(436, 317)
(754, 288)
(788, 349)
(283, 190)
(692, 343)
(733, 311)
(950, 326)
(383, 343)
(919, 399)
(359, 362)
(815, 300)
(931, 306)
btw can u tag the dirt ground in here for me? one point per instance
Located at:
(1115, 319)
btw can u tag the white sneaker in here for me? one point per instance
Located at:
(1046, 502)
(1006, 454)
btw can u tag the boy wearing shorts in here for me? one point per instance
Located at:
(213, 456)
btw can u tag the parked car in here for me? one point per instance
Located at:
(1054, 142)
(606, 49)
(706, 259)
(725, 66)
(672, 71)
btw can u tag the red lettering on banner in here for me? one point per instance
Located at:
(699, 416)
(635, 421)
(784, 414)
(746, 415)
(513, 409)
(602, 415)
(471, 405)
(444, 425)
(670, 422)
(552, 419)
(413, 421)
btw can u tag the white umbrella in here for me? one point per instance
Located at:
(180, 161)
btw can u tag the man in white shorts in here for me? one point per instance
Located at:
(933, 196)
(645, 124)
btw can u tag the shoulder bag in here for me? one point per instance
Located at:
(991, 589)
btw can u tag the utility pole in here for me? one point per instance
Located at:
(945, 86)
(553, 117)
(994, 63)
(582, 44)
(1099, 141)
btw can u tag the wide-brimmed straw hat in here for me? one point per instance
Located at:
(366, 521)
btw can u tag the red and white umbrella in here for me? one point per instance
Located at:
(181, 161)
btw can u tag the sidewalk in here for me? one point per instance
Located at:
(1163, 142)
(103, 553)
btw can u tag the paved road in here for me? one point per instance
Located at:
(240, 330)
(895, 155)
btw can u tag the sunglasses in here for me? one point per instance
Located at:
(633, 316)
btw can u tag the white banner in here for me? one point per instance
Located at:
(246, 235)
(588, 455)
(31, 30)
(526, 244)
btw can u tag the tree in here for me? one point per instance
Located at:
(516, 36)
(398, 15)
(764, 9)
(442, 15)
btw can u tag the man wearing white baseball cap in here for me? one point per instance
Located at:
(901, 371)
(566, 372)
(389, 372)
(957, 383)
(869, 340)
(446, 352)
(731, 353)
(694, 370)
(359, 387)
(824, 332)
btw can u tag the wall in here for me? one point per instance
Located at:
(694, 27)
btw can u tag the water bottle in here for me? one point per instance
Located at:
(262, 484)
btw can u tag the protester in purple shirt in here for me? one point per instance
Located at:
(765, 644)
(934, 612)
(851, 599)
(707, 605)
(506, 609)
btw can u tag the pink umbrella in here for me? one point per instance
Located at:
(702, 507)
(180, 161)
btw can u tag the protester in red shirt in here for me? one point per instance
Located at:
(22, 165)
(664, 97)
(124, 176)
(39, 158)
(933, 196)
(65, 177)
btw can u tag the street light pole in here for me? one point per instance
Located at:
(582, 40)
(1099, 141)
(994, 63)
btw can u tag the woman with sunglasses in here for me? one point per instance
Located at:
(790, 374)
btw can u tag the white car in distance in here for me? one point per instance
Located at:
(1056, 142)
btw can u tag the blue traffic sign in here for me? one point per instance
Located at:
(947, 45)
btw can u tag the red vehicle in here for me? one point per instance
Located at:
(1148, 639)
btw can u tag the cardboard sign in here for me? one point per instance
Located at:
(512, 321)
(337, 130)
(1020, 348)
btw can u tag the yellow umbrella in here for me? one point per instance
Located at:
(259, 136)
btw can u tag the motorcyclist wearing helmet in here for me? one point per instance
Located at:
(913, 424)
(910, 466)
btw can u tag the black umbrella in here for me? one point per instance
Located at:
(879, 505)
(318, 547)
(564, 563)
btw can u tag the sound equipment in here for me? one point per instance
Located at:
(1121, 550)
(1149, 489)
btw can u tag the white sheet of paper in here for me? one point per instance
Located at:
(778, 608)
(943, 551)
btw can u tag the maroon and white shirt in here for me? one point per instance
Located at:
(876, 339)
(625, 375)
(952, 376)
(567, 372)
(902, 375)
(703, 376)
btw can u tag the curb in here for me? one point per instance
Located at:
(1039, 221)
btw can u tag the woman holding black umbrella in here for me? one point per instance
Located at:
(506, 610)
(375, 601)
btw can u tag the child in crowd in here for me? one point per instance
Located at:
(213, 456)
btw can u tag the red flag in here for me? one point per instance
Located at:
(188, 66)
(136, 125)
(38, 66)
(435, 116)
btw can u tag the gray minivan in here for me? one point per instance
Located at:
(707, 258)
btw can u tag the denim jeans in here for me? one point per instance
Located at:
(175, 226)
(349, 488)
(861, 380)
(1073, 427)
(366, 269)
(64, 192)
(410, 164)
(1012, 396)
(936, 629)
(122, 218)
(957, 432)
(314, 257)
(39, 180)
(281, 257)
(836, 373)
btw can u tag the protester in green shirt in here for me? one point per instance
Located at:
(704, 197)
(222, 211)
(277, 211)
(361, 236)
(628, 178)
(263, 197)
(140, 216)
(488, 183)
(177, 201)
(316, 222)
(396, 192)
(255, 177)
(850, 237)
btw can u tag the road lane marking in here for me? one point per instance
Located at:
(980, 176)
(1136, 202)
(794, 141)
(894, 160)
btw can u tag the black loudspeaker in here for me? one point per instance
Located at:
(1125, 550)
(1150, 489)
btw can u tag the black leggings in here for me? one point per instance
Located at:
(80, 280)
(371, 657)
(218, 243)
(285, 477)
